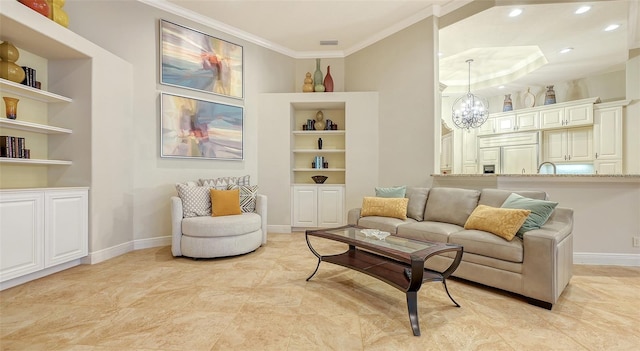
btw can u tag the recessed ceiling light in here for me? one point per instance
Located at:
(565, 50)
(501, 87)
(515, 12)
(611, 27)
(582, 9)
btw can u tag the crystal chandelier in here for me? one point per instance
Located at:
(470, 111)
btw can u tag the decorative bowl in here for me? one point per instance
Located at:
(378, 234)
(319, 179)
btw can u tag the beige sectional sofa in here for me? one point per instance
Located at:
(537, 266)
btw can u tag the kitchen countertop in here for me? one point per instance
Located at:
(547, 177)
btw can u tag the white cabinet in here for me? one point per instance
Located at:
(568, 145)
(505, 124)
(489, 156)
(41, 228)
(487, 127)
(446, 155)
(607, 139)
(469, 152)
(527, 121)
(317, 206)
(567, 116)
(521, 159)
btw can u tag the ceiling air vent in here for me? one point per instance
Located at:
(328, 42)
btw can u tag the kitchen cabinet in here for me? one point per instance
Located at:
(489, 156)
(488, 127)
(521, 159)
(469, 151)
(526, 121)
(317, 206)
(41, 228)
(505, 124)
(567, 116)
(568, 145)
(446, 155)
(607, 133)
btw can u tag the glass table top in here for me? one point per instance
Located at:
(390, 242)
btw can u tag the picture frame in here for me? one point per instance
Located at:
(195, 60)
(200, 129)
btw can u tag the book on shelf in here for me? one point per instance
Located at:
(13, 147)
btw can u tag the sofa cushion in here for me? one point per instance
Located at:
(248, 195)
(387, 224)
(396, 191)
(503, 222)
(487, 244)
(428, 231)
(496, 197)
(450, 205)
(207, 226)
(225, 202)
(540, 211)
(417, 202)
(384, 207)
(196, 200)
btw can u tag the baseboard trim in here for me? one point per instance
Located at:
(606, 259)
(39, 274)
(121, 249)
(281, 229)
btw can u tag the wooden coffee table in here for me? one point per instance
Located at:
(396, 261)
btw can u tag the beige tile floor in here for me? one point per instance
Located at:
(148, 300)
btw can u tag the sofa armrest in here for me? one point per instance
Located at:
(176, 225)
(261, 209)
(548, 257)
(353, 216)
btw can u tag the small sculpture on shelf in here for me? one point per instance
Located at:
(319, 124)
(319, 143)
(550, 96)
(317, 78)
(328, 81)
(9, 70)
(508, 104)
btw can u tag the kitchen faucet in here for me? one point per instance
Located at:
(551, 163)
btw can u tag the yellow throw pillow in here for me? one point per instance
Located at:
(503, 222)
(225, 202)
(384, 207)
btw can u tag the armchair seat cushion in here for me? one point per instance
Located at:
(208, 226)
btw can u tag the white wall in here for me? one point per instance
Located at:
(401, 69)
(131, 30)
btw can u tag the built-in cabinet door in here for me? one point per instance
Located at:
(487, 127)
(522, 159)
(330, 206)
(469, 152)
(608, 166)
(305, 206)
(579, 115)
(446, 156)
(21, 234)
(607, 133)
(489, 156)
(552, 118)
(505, 124)
(580, 144)
(527, 121)
(66, 225)
(555, 146)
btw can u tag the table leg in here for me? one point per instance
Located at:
(444, 282)
(412, 306)
(316, 254)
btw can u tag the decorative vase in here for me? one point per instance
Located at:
(507, 105)
(308, 84)
(328, 81)
(319, 123)
(11, 106)
(550, 96)
(319, 143)
(317, 78)
(11, 71)
(40, 6)
(8, 52)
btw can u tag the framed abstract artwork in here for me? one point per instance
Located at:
(193, 128)
(194, 60)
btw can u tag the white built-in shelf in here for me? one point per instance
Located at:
(318, 132)
(32, 127)
(319, 169)
(31, 93)
(34, 161)
(314, 151)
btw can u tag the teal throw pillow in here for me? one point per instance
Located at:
(396, 191)
(540, 211)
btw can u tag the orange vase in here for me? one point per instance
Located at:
(40, 6)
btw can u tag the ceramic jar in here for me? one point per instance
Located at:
(328, 81)
(508, 104)
(550, 96)
(318, 85)
(11, 107)
(307, 87)
(39, 6)
(8, 68)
